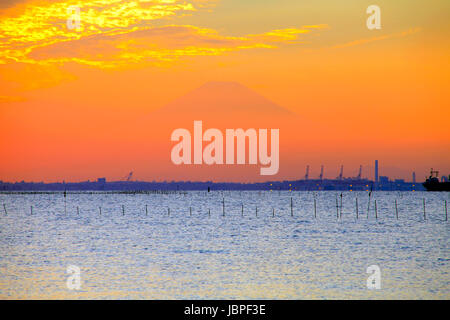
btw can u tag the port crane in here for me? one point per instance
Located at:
(359, 173)
(307, 172)
(129, 176)
(341, 173)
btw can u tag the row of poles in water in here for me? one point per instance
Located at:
(339, 206)
(338, 209)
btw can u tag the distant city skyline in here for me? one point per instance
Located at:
(311, 176)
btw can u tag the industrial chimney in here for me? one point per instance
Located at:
(376, 171)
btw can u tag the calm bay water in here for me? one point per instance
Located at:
(192, 254)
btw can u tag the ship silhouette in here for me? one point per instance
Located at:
(433, 184)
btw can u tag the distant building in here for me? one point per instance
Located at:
(384, 179)
(101, 180)
(376, 170)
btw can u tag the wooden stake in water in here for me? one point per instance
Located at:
(209, 212)
(190, 211)
(368, 205)
(376, 211)
(168, 211)
(341, 207)
(123, 210)
(396, 209)
(424, 213)
(315, 209)
(242, 210)
(445, 210)
(146, 210)
(6, 212)
(337, 208)
(100, 210)
(223, 207)
(273, 212)
(78, 211)
(356, 207)
(292, 211)
(31, 210)
(256, 212)
(65, 211)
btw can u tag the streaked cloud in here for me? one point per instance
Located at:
(156, 44)
(317, 26)
(5, 99)
(36, 44)
(115, 33)
(382, 37)
(24, 28)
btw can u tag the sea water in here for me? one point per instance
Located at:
(224, 245)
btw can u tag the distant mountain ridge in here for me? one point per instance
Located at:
(222, 99)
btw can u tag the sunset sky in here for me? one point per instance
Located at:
(77, 104)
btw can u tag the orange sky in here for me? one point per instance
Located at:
(77, 104)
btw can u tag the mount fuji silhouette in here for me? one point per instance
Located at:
(220, 97)
(221, 105)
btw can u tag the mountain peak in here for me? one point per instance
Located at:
(224, 99)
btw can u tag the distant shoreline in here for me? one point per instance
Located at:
(94, 192)
(132, 187)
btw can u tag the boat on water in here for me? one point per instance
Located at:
(433, 183)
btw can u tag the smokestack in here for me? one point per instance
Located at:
(376, 171)
(414, 177)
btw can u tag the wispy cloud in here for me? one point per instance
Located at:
(5, 99)
(156, 44)
(379, 38)
(35, 42)
(25, 28)
(117, 33)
